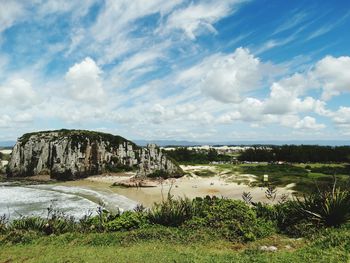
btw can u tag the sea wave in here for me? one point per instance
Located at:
(33, 200)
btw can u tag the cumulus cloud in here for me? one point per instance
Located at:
(18, 93)
(225, 77)
(230, 76)
(85, 82)
(342, 116)
(216, 88)
(333, 75)
(309, 123)
(285, 99)
(329, 74)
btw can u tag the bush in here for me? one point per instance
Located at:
(127, 221)
(331, 170)
(28, 223)
(159, 174)
(118, 168)
(285, 217)
(3, 223)
(46, 226)
(232, 218)
(171, 212)
(328, 207)
(18, 236)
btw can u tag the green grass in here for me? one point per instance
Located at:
(205, 173)
(332, 245)
(316, 165)
(282, 175)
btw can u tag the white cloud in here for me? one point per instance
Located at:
(10, 12)
(17, 93)
(52, 7)
(284, 99)
(5, 121)
(137, 65)
(272, 43)
(85, 83)
(111, 35)
(23, 117)
(328, 27)
(297, 19)
(225, 77)
(199, 17)
(333, 75)
(231, 76)
(329, 74)
(309, 123)
(342, 116)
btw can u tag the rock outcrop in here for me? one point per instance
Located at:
(71, 154)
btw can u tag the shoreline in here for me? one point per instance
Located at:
(181, 187)
(148, 191)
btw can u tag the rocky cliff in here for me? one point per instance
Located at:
(71, 154)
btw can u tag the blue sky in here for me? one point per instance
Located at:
(206, 70)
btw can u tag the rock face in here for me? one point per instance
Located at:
(71, 154)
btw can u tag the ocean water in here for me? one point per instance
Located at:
(17, 201)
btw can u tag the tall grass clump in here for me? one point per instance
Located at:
(3, 223)
(329, 206)
(171, 211)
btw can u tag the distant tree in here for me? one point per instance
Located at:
(297, 153)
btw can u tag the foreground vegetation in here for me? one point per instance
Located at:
(331, 245)
(310, 229)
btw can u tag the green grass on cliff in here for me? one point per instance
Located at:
(79, 135)
(330, 245)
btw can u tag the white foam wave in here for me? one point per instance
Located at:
(75, 201)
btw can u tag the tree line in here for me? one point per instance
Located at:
(185, 155)
(297, 154)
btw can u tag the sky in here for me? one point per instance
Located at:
(210, 70)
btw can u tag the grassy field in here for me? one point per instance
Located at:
(332, 245)
(305, 180)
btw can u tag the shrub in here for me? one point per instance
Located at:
(28, 223)
(118, 168)
(159, 174)
(3, 223)
(331, 170)
(127, 221)
(232, 218)
(328, 207)
(18, 236)
(46, 226)
(171, 212)
(285, 217)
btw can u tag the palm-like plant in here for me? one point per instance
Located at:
(329, 207)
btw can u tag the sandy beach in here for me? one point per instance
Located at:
(188, 186)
